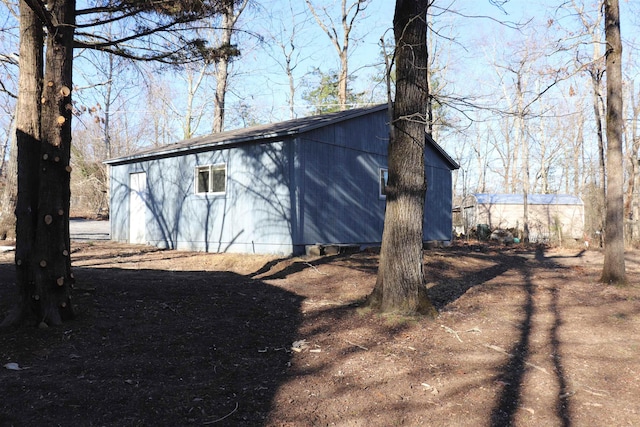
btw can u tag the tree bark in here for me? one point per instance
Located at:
(43, 266)
(28, 146)
(400, 284)
(10, 194)
(613, 270)
(632, 181)
(229, 19)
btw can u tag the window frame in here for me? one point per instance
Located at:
(210, 170)
(383, 174)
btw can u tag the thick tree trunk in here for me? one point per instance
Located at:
(43, 266)
(28, 149)
(613, 270)
(400, 284)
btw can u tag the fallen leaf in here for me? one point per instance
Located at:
(529, 410)
(299, 345)
(12, 366)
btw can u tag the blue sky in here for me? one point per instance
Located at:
(470, 41)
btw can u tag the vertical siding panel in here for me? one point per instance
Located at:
(320, 187)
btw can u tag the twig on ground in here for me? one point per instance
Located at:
(316, 269)
(539, 368)
(503, 351)
(589, 390)
(220, 419)
(451, 331)
(165, 305)
(498, 349)
(357, 345)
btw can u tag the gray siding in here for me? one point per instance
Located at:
(340, 187)
(438, 201)
(340, 196)
(319, 185)
(254, 215)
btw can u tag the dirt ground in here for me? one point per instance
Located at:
(167, 338)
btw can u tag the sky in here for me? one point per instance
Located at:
(464, 37)
(318, 52)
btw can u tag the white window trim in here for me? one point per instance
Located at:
(211, 168)
(381, 194)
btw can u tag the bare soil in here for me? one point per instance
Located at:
(168, 338)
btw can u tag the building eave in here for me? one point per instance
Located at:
(259, 133)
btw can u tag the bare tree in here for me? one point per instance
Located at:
(9, 194)
(594, 67)
(192, 118)
(340, 37)
(632, 139)
(170, 106)
(290, 45)
(8, 96)
(230, 15)
(613, 270)
(106, 95)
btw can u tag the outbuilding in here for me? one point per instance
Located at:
(274, 188)
(550, 216)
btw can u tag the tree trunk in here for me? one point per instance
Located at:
(221, 92)
(613, 270)
(400, 284)
(28, 147)
(596, 76)
(578, 149)
(43, 265)
(10, 194)
(222, 69)
(344, 77)
(229, 19)
(630, 199)
(343, 50)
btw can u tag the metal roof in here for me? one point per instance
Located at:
(260, 133)
(532, 199)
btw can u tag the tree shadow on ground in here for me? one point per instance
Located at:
(513, 372)
(511, 375)
(152, 347)
(447, 291)
(284, 267)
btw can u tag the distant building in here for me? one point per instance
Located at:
(551, 216)
(273, 188)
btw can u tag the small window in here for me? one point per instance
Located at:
(211, 179)
(384, 179)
